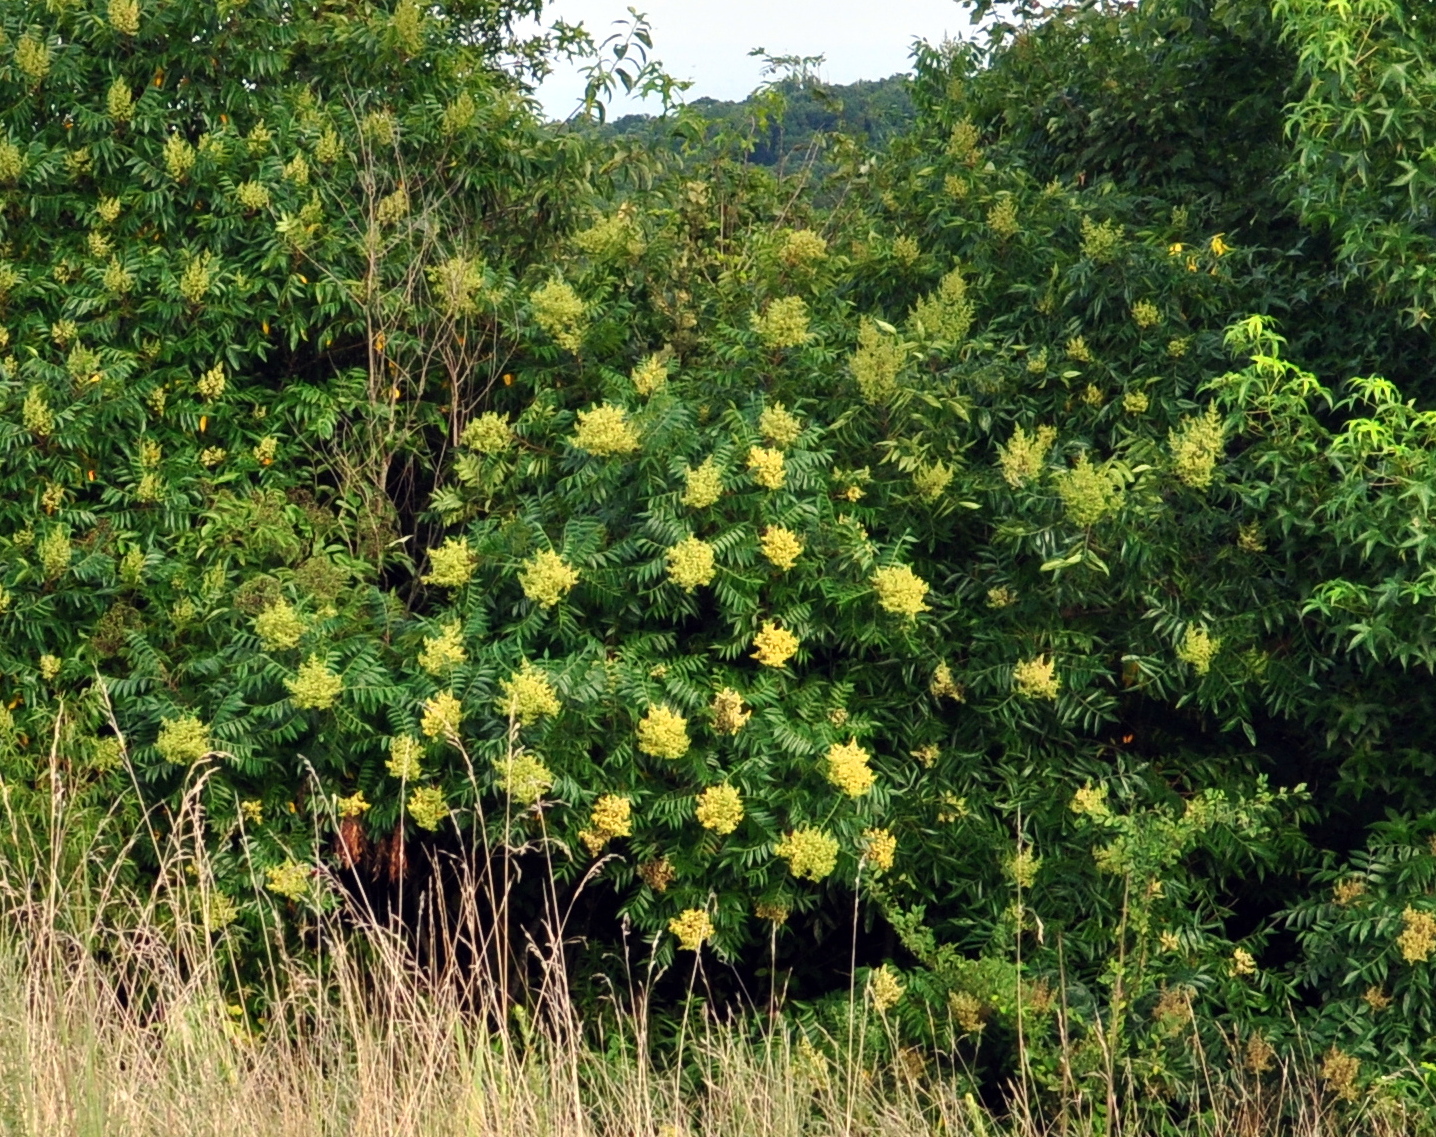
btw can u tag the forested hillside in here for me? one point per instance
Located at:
(955, 549)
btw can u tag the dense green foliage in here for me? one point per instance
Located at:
(1008, 530)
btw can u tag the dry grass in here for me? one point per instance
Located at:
(114, 1020)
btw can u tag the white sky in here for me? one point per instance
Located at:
(708, 42)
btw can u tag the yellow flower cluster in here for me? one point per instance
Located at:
(546, 578)
(884, 988)
(650, 376)
(1249, 538)
(1346, 892)
(719, 808)
(1135, 402)
(1198, 648)
(967, 1009)
(784, 323)
(1090, 801)
(523, 777)
(692, 927)
(50, 667)
(1089, 492)
(428, 808)
(1078, 351)
(876, 362)
(775, 645)
(119, 103)
(690, 563)
(560, 312)
(881, 848)
(810, 853)
(32, 56)
(211, 384)
(1022, 458)
(55, 552)
(931, 482)
(1002, 218)
(767, 467)
(962, 144)
(1146, 314)
(352, 806)
(452, 564)
(442, 715)
(39, 420)
(1101, 243)
(404, 753)
(528, 695)
(1340, 1070)
(605, 432)
(487, 434)
(847, 768)
(1036, 678)
(408, 25)
(781, 546)
(179, 156)
(12, 163)
(778, 426)
(612, 817)
(906, 251)
(444, 652)
(1418, 935)
(314, 687)
(290, 880)
(252, 196)
(1022, 868)
(802, 247)
(900, 591)
(663, 733)
(1195, 447)
(658, 875)
(946, 314)
(729, 715)
(703, 485)
(279, 627)
(613, 238)
(183, 741)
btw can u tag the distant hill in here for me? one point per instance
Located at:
(871, 110)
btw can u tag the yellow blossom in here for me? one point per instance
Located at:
(650, 376)
(290, 880)
(1089, 492)
(1146, 314)
(729, 715)
(183, 741)
(692, 927)
(50, 667)
(523, 777)
(1135, 402)
(1078, 351)
(1196, 445)
(266, 449)
(703, 485)
(847, 768)
(881, 848)
(802, 247)
(252, 811)
(781, 546)
(906, 251)
(884, 988)
(944, 686)
(778, 426)
(119, 103)
(1198, 648)
(658, 875)
(900, 591)
(546, 578)
(352, 806)
(1090, 801)
(612, 817)
(967, 1010)
(605, 432)
(690, 563)
(1002, 218)
(1340, 1070)
(810, 853)
(404, 754)
(314, 687)
(1036, 678)
(1219, 247)
(428, 808)
(55, 552)
(1242, 963)
(775, 645)
(444, 652)
(488, 434)
(528, 695)
(784, 323)
(946, 314)
(1021, 460)
(179, 156)
(719, 808)
(279, 627)
(561, 313)
(211, 384)
(663, 733)
(931, 482)
(32, 57)
(1101, 243)
(442, 715)
(767, 467)
(36, 415)
(876, 363)
(1418, 935)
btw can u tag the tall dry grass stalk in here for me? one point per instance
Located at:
(115, 1020)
